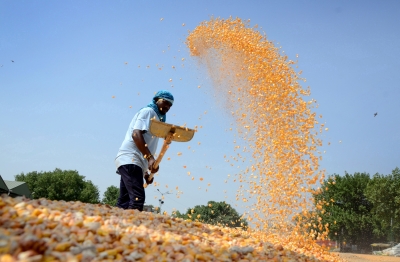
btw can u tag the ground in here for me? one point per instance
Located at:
(366, 258)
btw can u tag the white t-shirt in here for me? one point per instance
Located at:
(128, 152)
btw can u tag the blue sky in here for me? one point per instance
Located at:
(72, 57)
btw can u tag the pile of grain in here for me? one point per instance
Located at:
(44, 230)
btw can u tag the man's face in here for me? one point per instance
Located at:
(163, 106)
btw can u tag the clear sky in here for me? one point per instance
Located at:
(73, 74)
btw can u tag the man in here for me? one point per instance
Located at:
(135, 155)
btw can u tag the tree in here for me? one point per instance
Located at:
(110, 196)
(384, 193)
(59, 184)
(343, 205)
(215, 213)
(90, 193)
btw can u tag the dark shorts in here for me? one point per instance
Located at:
(131, 190)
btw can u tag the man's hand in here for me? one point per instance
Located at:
(151, 162)
(153, 170)
(146, 177)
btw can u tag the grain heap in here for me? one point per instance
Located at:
(44, 230)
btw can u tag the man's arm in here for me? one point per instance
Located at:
(138, 138)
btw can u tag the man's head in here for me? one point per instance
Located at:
(164, 100)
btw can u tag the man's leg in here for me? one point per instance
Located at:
(123, 199)
(132, 176)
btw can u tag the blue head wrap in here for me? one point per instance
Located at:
(164, 95)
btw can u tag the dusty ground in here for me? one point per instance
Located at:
(365, 258)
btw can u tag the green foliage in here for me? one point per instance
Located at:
(384, 193)
(343, 204)
(90, 193)
(59, 184)
(215, 213)
(110, 196)
(360, 209)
